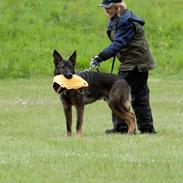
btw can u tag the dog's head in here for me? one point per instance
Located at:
(62, 66)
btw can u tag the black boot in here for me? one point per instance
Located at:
(148, 131)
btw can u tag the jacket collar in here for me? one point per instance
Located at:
(115, 19)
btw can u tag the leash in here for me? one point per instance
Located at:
(113, 62)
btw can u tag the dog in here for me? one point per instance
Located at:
(115, 91)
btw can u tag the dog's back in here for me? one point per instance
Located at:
(99, 85)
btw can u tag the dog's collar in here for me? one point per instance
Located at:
(80, 91)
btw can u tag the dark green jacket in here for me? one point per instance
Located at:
(129, 43)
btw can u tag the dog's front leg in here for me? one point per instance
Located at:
(68, 116)
(80, 111)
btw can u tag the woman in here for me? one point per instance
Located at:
(126, 32)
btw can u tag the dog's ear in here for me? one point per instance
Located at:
(57, 58)
(72, 58)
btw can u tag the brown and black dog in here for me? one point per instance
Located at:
(116, 92)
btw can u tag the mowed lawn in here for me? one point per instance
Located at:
(34, 146)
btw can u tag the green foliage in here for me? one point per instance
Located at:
(30, 30)
(34, 146)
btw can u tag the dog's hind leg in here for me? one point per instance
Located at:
(132, 126)
(125, 109)
(126, 116)
(119, 102)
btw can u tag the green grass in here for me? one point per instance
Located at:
(30, 30)
(34, 146)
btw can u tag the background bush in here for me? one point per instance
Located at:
(30, 30)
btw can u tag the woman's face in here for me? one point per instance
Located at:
(112, 11)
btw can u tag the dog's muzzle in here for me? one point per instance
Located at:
(68, 75)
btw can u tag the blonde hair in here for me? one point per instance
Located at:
(121, 7)
(124, 5)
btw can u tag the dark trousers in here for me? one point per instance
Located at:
(140, 101)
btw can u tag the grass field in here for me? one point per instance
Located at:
(34, 146)
(30, 30)
(33, 142)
